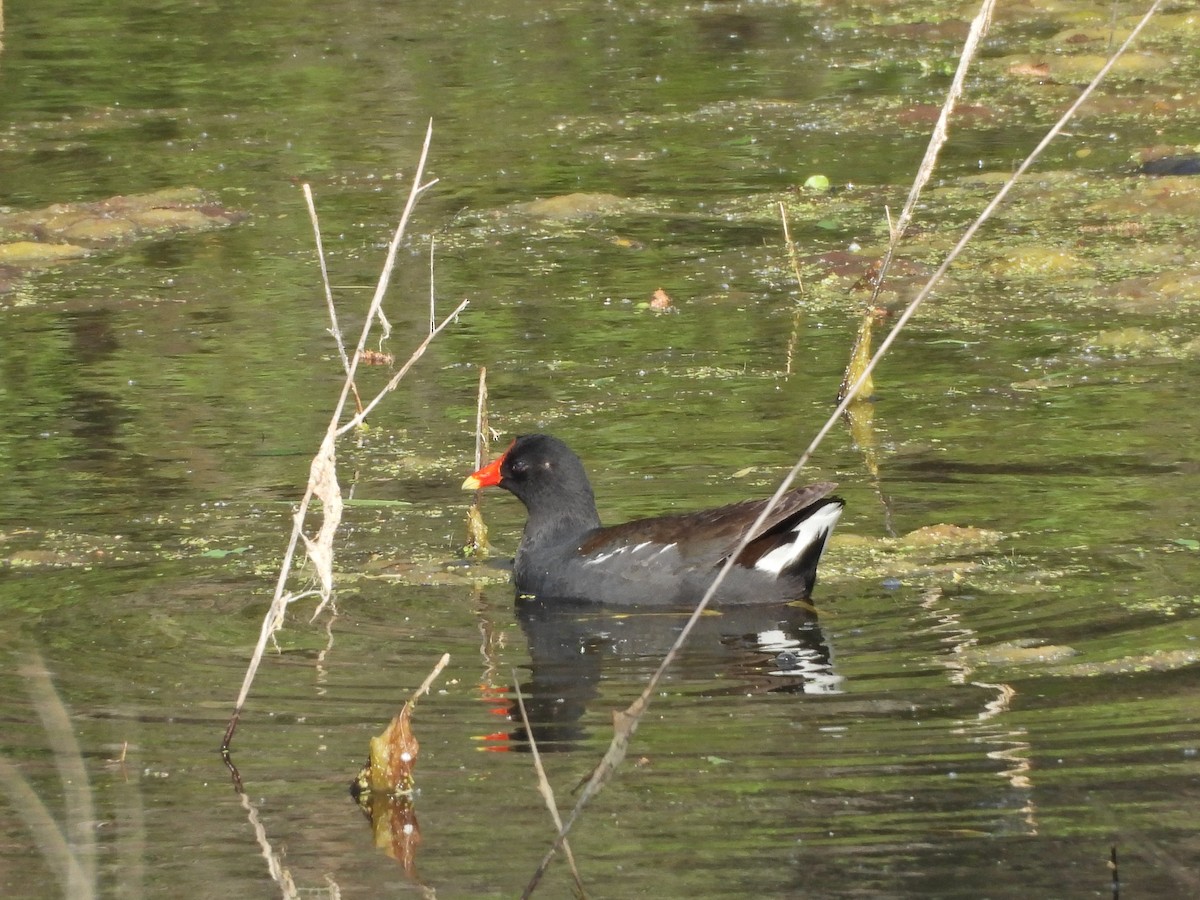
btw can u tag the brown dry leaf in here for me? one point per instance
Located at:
(1030, 70)
(393, 755)
(394, 828)
(404, 834)
(375, 358)
(661, 300)
(384, 786)
(870, 278)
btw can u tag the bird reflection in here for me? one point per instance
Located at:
(751, 649)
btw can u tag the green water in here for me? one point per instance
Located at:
(160, 402)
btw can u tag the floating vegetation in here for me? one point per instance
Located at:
(62, 232)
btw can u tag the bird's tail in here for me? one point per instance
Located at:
(798, 556)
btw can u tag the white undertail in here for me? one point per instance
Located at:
(816, 528)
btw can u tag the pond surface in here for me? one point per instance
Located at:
(984, 710)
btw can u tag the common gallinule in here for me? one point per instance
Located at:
(566, 553)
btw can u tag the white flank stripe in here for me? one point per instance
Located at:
(603, 556)
(611, 553)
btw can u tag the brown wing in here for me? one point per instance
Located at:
(708, 536)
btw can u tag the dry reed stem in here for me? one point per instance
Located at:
(482, 426)
(361, 417)
(793, 341)
(791, 247)
(322, 480)
(429, 680)
(625, 723)
(432, 300)
(794, 337)
(477, 533)
(937, 140)
(334, 328)
(546, 791)
(276, 868)
(897, 229)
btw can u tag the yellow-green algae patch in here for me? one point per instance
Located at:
(65, 231)
(1016, 653)
(31, 253)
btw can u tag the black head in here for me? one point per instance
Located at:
(544, 474)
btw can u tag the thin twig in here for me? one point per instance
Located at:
(359, 418)
(545, 789)
(322, 480)
(276, 868)
(482, 449)
(941, 132)
(477, 533)
(79, 810)
(385, 276)
(794, 337)
(897, 229)
(429, 679)
(334, 329)
(432, 300)
(791, 247)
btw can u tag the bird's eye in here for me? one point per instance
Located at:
(519, 467)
